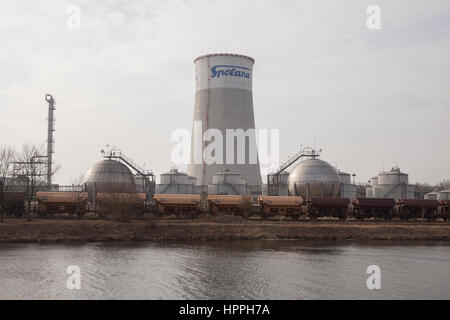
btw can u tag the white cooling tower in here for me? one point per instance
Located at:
(223, 100)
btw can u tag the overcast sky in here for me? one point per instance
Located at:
(369, 98)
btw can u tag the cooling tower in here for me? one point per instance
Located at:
(223, 100)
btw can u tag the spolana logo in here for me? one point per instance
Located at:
(230, 71)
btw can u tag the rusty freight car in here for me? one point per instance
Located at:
(373, 207)
(231, 204)
(277, 205)
(414, 208)
(178, 204)
(134, 202)
(61, 202)
(323, 207)
(445, 210)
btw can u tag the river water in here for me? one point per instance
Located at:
(226, 270)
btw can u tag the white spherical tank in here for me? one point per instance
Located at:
(314, 177)
(109, 176)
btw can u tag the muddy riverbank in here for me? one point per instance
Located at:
(58, 230)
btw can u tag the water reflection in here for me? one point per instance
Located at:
(226, 270)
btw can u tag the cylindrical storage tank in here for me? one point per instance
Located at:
(174, 177)
(431, 196)
(109, 176)
(228, 178)
(348, 191)
(224, 102)
(444, 195)
(344, 177)
(400, 191)
(395, 176)
(374, 181)
(315, 178)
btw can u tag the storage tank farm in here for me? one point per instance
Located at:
(224, 100)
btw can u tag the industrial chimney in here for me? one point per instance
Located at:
(224, 101)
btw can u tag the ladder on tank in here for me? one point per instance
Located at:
(274, 179)
(148, 176)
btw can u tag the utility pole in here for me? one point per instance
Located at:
(50, 143)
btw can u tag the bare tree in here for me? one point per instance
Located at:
(79, 193)
(7, 158)
(30, 169)
(444, 185)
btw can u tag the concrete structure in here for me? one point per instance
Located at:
(316, 178)
(109, 176)
(228, 183)
(224, 100)
(393, 184)
(176, 182)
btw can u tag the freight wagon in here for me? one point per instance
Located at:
(284, 206)
(373, 207)
(61, 202)
(445, 210)
(133, 202)
(179, 204)
(323, 207)
(412, 208)
(231, 204)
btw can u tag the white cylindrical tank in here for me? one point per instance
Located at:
(348, 191)
(444, 195)
(395, 176)
(224, 102)
(344, 177)
(431, 196)
(374, 180)
(176, 182)
(226, 182)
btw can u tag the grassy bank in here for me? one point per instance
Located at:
(57, 230)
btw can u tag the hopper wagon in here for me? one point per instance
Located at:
(231, 204)
(179, 204)
(373, 207)
(133, 201)
(414, 208)
(327, 207)
(445, 210)
(61, 202)
(278, 205)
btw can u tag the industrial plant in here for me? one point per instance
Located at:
(223, 102)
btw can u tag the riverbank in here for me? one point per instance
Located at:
(57, 230)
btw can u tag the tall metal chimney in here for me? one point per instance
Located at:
(50, 143)
(223, 100)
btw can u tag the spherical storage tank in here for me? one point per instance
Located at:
(316, 178)
(110, 176)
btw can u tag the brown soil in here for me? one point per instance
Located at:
(58, 230)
